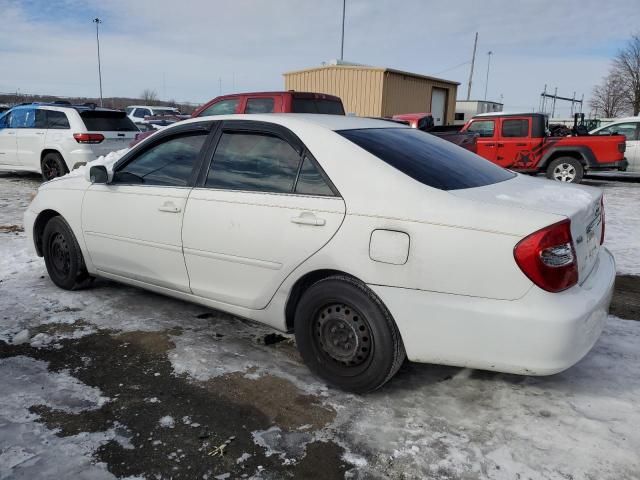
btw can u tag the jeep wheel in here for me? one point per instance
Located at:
(53, 166)
(565, 169)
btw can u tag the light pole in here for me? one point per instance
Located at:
(486, 83)
(97, 21)
(344, 6)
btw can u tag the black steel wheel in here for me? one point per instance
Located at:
(63, 257)
(53, 166)
(346, 335)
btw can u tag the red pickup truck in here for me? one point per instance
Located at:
(520, 142)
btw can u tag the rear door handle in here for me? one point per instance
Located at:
(521, 144)
(501, 144)
(169, 207)
(308, 218)
(489, 144)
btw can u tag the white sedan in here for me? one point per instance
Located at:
(372, 241)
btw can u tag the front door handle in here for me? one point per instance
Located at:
(521, 144)
(501, 144)
(308, 218)
(169, 207)
(489, 144)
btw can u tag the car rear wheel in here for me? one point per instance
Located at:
(53, 166)
(63, 257)
(565, 169)
(347, 336)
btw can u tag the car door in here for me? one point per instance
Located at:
(260, 208)
(513, 148)
(8, 143)
(132, 225)
(30, 137)
(486, 143)
(630, 131)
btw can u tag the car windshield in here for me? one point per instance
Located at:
(428, 159)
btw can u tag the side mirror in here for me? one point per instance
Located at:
(98, 174)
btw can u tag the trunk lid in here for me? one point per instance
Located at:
(581, 204)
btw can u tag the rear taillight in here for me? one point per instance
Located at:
(548, 258)
(88, 137)
(602, 219)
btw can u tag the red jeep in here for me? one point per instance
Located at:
(520, 142)
(271, 102)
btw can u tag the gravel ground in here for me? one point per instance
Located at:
(116, 382)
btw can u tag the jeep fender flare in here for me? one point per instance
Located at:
(586, 156)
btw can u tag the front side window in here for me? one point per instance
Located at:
(259, 105)
(254, 162)
(23, 118)
(141, 112)
(428, 159)
(225, 107)
(626, 129)
(515, 127)
(484, 128)
(169, 163)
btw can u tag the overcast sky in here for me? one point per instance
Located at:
(192, 50)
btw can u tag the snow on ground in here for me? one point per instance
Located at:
(428, 422)
(622, 236)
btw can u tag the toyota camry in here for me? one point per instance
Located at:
(371, 241)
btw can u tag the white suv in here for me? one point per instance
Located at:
(137, 113)
(53, 139)
(630, 128)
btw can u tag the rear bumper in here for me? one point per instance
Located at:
(539, 334)
(619, 165)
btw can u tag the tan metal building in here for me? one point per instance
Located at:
(379, 92)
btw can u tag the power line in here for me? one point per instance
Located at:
(453, 68)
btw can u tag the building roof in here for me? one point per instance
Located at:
(350, 66)
(479, 101)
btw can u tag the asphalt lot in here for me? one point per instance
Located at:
(118, 382)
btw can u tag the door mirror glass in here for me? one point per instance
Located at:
(98, 174)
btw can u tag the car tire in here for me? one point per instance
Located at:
(347, 336)
(53, 166)
(63, 257)
(565, 169)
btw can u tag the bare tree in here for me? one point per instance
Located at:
(609, 98)
(626, 66)
(149, 96)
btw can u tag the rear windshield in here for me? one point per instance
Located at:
(101, 121)
(316, 105)
(428, 159)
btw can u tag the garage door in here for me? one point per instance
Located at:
(438, 102)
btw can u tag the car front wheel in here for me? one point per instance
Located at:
(63, 257)
(347, 336)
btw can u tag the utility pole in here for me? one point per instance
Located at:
(553, 104)
(486, 83)
(344, 7)
(97, 21)
(473, 61)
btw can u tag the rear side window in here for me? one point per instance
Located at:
(142, 112)
(484, 128)
(311, 181)
(515, 128)
(254, 162)
(316, 105)
(107, 121)
(169, 163)
(224, 107)
(428, 159)
(57, 120)
(259, 105)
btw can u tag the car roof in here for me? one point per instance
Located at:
(411, 116)
(64, 106)
(330, 122)
(623, 120)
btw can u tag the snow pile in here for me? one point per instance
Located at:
(107, 160)
(622, 225)
(167, 422)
